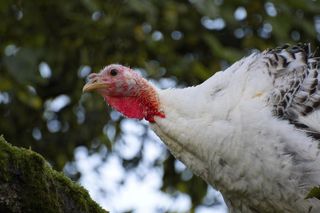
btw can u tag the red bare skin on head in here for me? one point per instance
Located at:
(128, 93)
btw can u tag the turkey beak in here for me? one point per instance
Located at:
(94, 83)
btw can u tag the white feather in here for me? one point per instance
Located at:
(225, 132)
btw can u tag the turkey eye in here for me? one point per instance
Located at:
(113, 72)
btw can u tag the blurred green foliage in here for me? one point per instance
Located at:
(48, 47)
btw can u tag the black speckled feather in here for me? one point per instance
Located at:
(295, 73)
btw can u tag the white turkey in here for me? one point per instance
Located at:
(251, 131)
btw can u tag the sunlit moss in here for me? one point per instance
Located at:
(29, 184)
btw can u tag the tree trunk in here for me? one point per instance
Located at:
(29, 184)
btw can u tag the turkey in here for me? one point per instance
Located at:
(251, 131)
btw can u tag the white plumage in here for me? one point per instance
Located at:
(251, 131)
(225, 130)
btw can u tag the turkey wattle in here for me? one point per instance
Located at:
(251, 131)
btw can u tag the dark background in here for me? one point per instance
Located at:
(47, 48)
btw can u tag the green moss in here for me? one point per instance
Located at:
(314, 193)
(28, 184)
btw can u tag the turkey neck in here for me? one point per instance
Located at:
(186, 124)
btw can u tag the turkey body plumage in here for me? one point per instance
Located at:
(248, 131)
(251, 131)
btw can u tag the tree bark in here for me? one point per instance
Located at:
(29, 184)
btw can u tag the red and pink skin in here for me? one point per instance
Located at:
(126, 91)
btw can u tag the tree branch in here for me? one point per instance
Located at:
(29, 184)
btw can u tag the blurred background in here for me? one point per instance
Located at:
(47, 49)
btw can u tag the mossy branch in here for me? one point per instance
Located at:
(29, 184)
